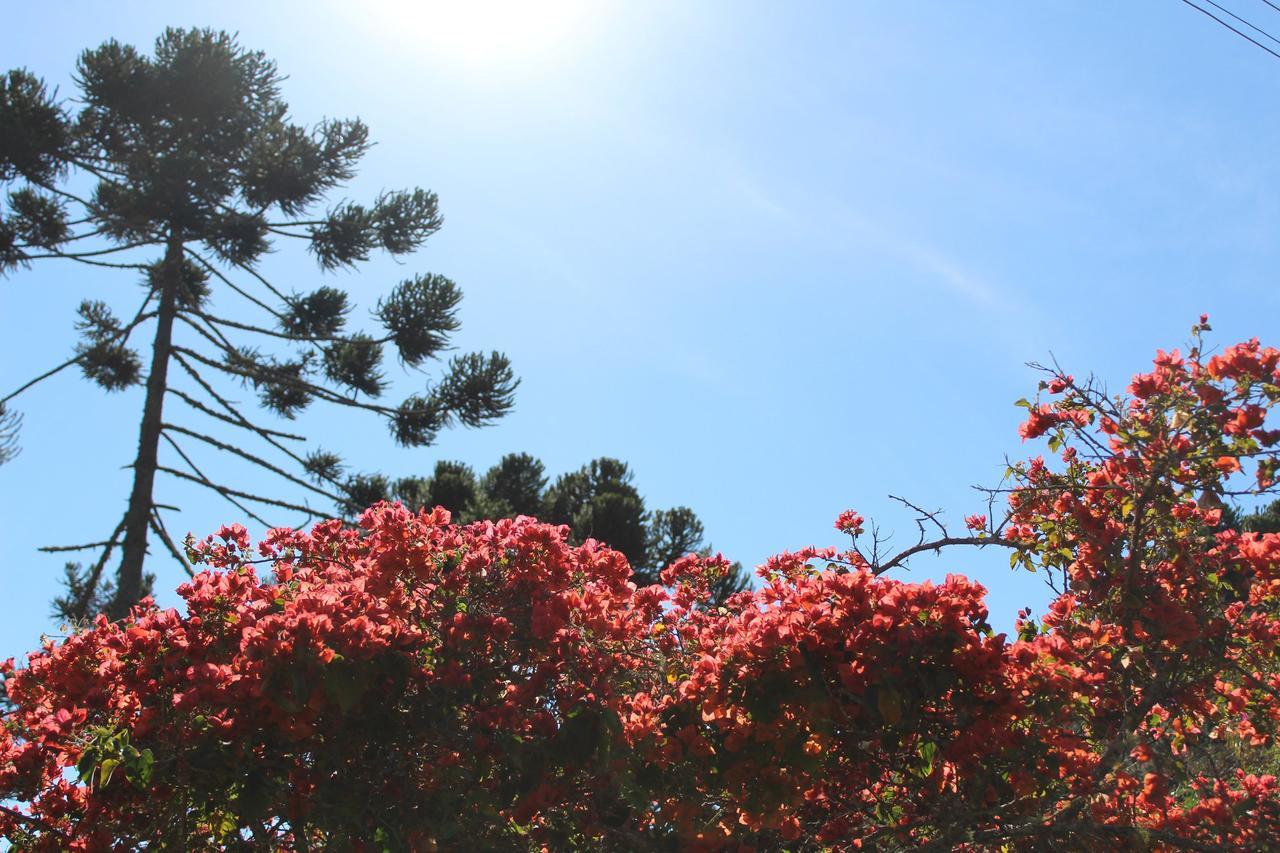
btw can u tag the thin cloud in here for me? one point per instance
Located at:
(940, 267)
(753, 193)
(951, 275)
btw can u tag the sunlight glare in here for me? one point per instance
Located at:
(485, 34)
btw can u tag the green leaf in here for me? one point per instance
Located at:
(87, 764)
(144, 767)
(928, 752)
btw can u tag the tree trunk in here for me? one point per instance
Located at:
(138, 514)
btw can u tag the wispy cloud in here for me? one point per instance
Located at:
(942, 268)
(750, 191)
(949, 273)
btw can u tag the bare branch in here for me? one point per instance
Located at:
(261, 280)
(199, 477)
(42, 377)
(114, 266)
(88, 546)
(240, 422)
(94, 254)
(243, 454)
(925, 515)
(267, 435)
(56, 190)
(221, 341)
(157, 524)
(97, 232)
(228, 493)
(275, 229)
(98, 171)
(937, 545)
(214, 271)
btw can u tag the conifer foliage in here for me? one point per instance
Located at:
(183, 169)
(598, 501)
(10, 421)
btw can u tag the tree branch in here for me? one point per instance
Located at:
(157, 525)
(221, 321)
(319, 391)
(97, 232)
(95, 573)
(141, 317)
(88, 546)
(114, 266)
(203, 480)
(261, 280)
(218, 274)
(938, 544)
(243, 454)
(77, 255)
(925, 515)
(241, 422)
(221, 341)
(226, 491)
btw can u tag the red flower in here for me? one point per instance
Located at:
(499, 684)
(849, 522)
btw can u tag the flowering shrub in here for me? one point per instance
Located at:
(412, 684)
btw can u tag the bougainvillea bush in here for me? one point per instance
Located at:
(410, 684)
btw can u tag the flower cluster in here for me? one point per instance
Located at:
(409, 683)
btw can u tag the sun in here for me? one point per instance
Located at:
(484, 34)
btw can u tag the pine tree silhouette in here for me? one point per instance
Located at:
(598, 501)
(192, 152)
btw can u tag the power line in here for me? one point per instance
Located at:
(1243, 21)
(1242, 35)
(1272, 5)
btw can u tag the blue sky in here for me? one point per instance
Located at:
(783, 258)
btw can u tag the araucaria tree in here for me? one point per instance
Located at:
(183, 169)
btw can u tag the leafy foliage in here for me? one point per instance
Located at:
(598, 501)
(494, 686)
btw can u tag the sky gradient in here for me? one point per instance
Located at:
(782, 258)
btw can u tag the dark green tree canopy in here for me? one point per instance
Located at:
(515, 486)
(1263, 520)
(196, 171)
(598, 501)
